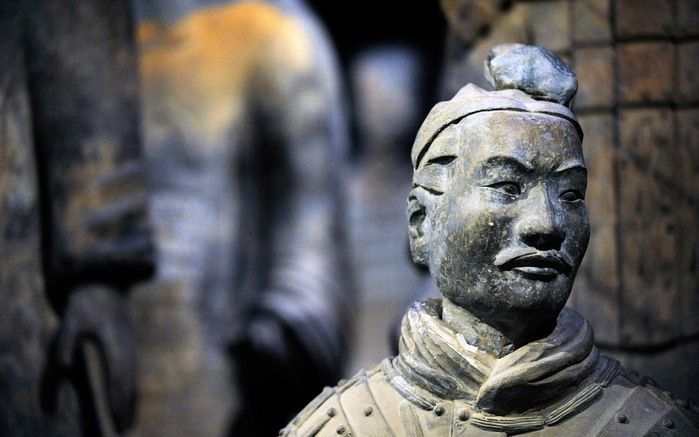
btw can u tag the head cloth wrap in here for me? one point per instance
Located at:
(525, 78)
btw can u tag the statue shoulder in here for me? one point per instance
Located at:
(364, 405)
(635, 405)
(369, 404)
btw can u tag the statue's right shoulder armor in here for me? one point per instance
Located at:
(364, 405)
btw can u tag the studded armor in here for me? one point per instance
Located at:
(391, 400)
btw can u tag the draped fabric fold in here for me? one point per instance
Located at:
(436, 358)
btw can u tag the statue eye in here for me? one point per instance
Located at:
(509, 188)
(571, 196)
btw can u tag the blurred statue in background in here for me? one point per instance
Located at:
(497, 213)
(388, 93)
(74, 234)
(245, 137)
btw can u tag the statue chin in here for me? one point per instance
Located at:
(521, 307)
(520, 299)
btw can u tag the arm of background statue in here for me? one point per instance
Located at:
(95, 237)
(307, 299)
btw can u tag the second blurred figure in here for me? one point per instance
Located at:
(245, 136)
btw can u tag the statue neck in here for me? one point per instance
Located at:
(498, 338)
(475, 331)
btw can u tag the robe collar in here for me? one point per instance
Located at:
(436, 359)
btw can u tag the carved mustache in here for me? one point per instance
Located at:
(518, 257)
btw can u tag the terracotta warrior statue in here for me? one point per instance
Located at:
(245, 136)
(497, 213)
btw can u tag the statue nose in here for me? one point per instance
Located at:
(540, 227)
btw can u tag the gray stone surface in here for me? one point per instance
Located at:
(532, 69)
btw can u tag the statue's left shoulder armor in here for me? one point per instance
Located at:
(634, 405)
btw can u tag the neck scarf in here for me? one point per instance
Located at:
(438, 360)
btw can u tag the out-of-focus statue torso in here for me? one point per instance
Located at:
(245, 136)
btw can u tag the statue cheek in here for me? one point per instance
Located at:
(496, 226)
(578, 227)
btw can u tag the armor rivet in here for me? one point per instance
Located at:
(331, 412)
(439, 410)
(669, 424)
(621, 418)
(368, 410)
(340, 429)
(463, 414)
(341, 382)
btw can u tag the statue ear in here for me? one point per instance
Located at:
(419, 226)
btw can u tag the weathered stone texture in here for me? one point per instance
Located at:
(643, 18)
(552, 29)
(510, 68)
(687, 18)
(647, 140)
(597, 286)
(688, 67)
(591, 23)
(659, 226)
(595, 70)
(646, 72)
(688, 144)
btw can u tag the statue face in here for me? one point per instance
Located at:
(509, 232)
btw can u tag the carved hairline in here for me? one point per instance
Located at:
(458, 119)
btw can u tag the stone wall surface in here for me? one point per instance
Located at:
(638, 104)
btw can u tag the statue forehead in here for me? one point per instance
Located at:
(469, 102)
(505, 131)
(503, 121)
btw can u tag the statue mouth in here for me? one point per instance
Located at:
(536, 265)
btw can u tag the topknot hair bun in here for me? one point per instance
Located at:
(533, 70)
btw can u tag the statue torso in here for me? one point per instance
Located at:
(370, 405)
(441, 386)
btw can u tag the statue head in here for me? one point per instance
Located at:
(497, 210)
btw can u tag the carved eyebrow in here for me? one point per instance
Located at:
(571, 166)
(509, 161)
